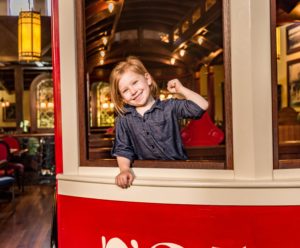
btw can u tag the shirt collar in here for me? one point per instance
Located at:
(131, 109)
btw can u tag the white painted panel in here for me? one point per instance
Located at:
(184, 192)
(68, 86)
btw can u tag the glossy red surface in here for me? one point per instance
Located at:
(84, 222)
(56, 79)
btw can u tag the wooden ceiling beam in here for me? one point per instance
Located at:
(149, 48)
(150, 16)
(287, 5)
(124, 49)
(98, 18)
(170, 3)
(145, 58)
(100, 27)
(209, 58)
(116, 21)
(149, 7)
(94, 8)
(157, 26)
(205, 20)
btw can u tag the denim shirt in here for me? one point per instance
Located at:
(156, 135)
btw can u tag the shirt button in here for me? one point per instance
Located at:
(147, 133)
(152, 146)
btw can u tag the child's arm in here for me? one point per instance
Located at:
(175, 86)
(125, 178)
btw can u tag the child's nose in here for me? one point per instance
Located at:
(132, 90)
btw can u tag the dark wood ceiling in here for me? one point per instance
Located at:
(161, 16)
(287, 11)
(135, 26)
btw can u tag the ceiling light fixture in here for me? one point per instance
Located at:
(182, 52)
(200, 40)
(102, 53)
(172, 60)
(29, 35)
(104, 40)
(110, 5)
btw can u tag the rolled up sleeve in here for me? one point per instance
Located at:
(122, 146)
(187, 109)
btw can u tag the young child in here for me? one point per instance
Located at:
(147, 128)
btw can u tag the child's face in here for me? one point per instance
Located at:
(135, 88)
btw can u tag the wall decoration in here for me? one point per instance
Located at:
(9, 113)
(293, 38)
(293, 77)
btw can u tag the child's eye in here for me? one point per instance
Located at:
(124, 91)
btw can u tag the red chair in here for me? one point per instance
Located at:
(9, 168)
(17, 154)
(12, 142)
(202, 132)
(5, 170)
(14, 145)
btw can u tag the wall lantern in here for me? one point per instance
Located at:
(29, 36)
(4, 103)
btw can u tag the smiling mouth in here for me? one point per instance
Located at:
(137, 97)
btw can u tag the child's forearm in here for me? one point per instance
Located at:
(125, 178)
(123, 163)
(194, 97)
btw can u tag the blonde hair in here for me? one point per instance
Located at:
(130, 64)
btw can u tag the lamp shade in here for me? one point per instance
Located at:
(29, 36)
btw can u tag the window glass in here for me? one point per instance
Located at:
(167, 53)
(48, 7)
(286, 83)
(15, 6)
(45, 104)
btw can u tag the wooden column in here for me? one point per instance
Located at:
(197, 82)
(211, 92)
(93, 105)
(19, 89)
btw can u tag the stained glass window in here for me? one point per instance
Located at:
(45, 104)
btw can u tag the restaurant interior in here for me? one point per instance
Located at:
(26, 92)
(187, 40)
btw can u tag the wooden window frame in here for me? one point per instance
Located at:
(280, 152)
(83, 105)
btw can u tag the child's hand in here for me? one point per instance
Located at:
(124, 179)
(174, 86)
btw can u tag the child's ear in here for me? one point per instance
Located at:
(148, 78)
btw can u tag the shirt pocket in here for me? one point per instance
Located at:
(159, 130)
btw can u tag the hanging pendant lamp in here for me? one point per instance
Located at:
(29, 36)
